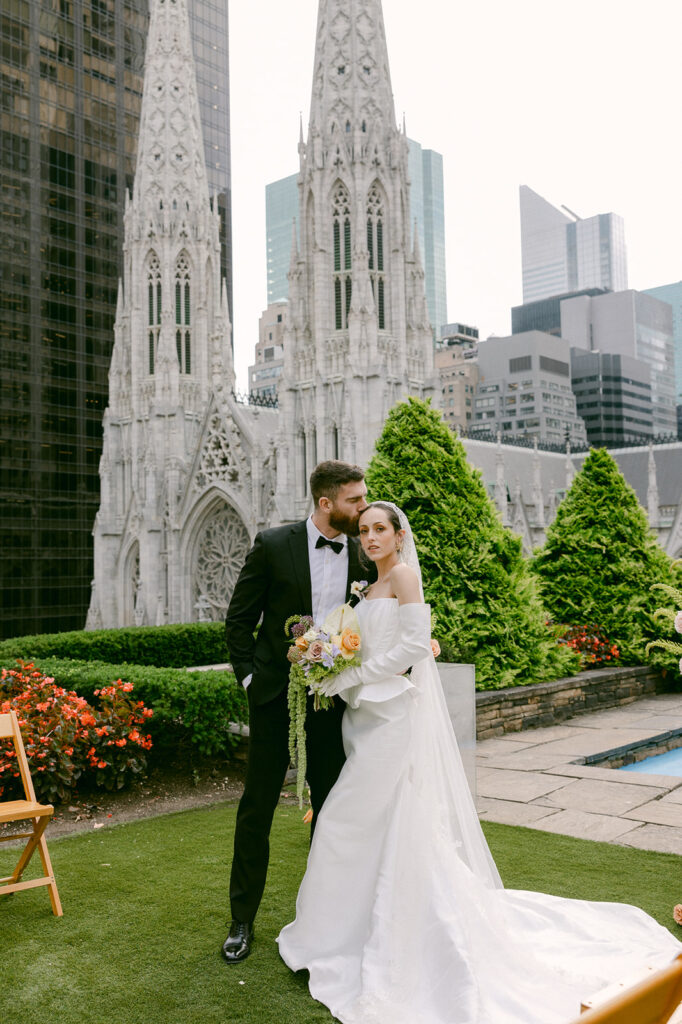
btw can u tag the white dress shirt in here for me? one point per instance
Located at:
(328, 573)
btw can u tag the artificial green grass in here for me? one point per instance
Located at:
(145, 911)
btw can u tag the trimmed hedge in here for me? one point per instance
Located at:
(194, 643)
(189, 707)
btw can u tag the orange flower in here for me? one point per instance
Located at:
(350, 642)
(87, 719)
(127, 687)
(101, 764)
(677, 913)
(301, 643)
(308, 816)
(435, 647)
(121, 743)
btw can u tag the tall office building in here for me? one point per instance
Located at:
(524, 389)
(561, 252)
(672, 294)
(425, 168)
(281, 211)
(428, 210)
(629, 323)
(71, 93)
(613, 397)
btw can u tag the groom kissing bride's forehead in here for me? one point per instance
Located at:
(339, 492)
(303, 568)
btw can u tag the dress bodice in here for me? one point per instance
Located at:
(379, 625)
(379, 622)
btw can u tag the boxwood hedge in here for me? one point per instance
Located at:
(175, 646)
(191, 708)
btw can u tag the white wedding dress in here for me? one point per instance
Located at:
(401, 917)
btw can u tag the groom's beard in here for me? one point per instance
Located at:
(345, 524)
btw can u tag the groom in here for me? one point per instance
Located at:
(304, 568)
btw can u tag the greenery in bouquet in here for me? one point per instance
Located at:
(315, 654)
(671, 616)
(600, 561)
(66, 739)
(486, 602)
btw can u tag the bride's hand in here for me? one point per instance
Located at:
(338, 683)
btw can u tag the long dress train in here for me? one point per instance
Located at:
(401, 917)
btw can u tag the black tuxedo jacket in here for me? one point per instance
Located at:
(275, 583)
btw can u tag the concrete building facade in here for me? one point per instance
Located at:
(264, 374)
(629, 323)
(456, 360)
(524, 390)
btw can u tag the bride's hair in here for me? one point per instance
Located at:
(390, 511)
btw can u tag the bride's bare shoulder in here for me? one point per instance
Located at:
(404, 583)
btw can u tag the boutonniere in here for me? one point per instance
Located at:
(357, 591)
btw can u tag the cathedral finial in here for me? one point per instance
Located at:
(171, 171)
(351, 79)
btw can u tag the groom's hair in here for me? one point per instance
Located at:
(329, 477)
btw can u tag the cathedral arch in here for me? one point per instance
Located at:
(183, 312)
(217, 542)
(342, 254)
(153, 308)
(377, 248)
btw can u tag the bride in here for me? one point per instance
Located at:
(401, 917)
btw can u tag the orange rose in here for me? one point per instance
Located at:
(350, 642)
(435, 647)
(677, 913)
(301, 643)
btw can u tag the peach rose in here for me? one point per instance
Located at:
(301, 643)
(677, 913)
(435, 647)
(350, 642)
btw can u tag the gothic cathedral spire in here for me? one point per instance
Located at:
(171, 365)
(358, 337)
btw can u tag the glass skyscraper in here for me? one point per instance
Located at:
(426, 207)
(672, 294)
(281, 210)
(71, 82)
(561, 252)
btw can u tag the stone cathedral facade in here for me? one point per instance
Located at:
(188, 474)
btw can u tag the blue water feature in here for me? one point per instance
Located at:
(669, 763)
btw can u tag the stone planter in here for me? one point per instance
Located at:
(526, 707)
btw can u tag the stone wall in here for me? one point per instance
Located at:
(525, 707)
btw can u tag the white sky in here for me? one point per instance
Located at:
(580, 101)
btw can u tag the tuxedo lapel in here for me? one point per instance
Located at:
(354, 567)
(298, 546)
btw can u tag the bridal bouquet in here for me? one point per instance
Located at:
(315, 654)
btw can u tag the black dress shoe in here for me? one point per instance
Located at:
(237, 945)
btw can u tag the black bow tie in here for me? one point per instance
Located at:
(335, 545)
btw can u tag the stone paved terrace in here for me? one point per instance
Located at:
(529, 778)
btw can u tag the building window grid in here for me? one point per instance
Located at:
(342, 255)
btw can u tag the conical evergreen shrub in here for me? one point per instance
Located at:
(600, 560)
(475, 577)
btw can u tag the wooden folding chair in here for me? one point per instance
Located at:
(26, 810)
(652, 1000)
